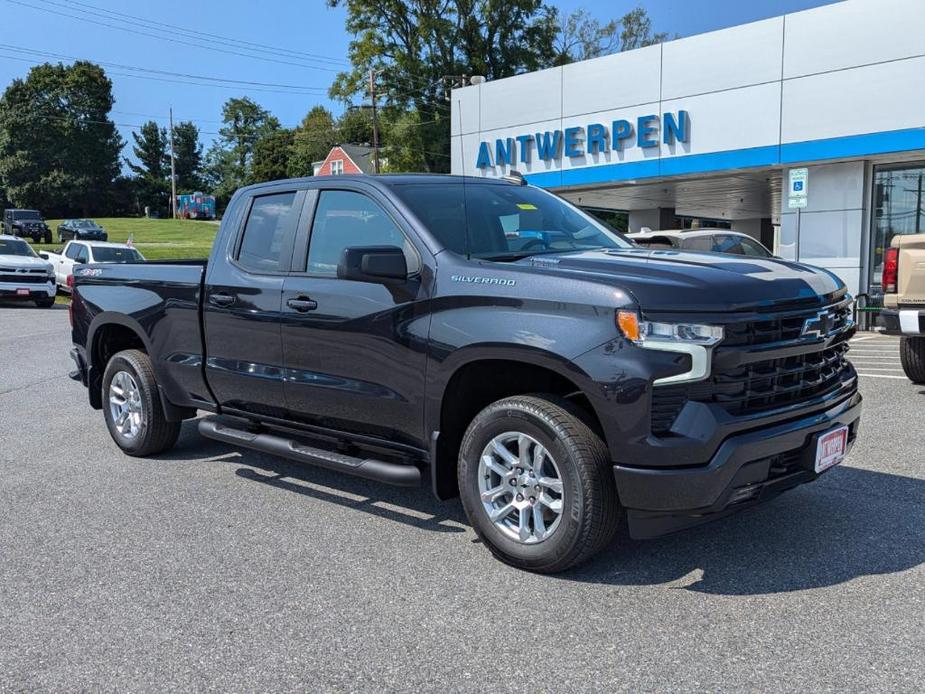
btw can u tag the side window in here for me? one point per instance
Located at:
(698, 243)
(726, 243)
(82, 255)
(72, 251)
(266, 233)
(344, 219)
(753, 248)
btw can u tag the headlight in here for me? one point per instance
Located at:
(694, 339)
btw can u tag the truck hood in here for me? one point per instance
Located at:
(668, 280)
(23, 261)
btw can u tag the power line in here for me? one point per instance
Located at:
(173, 81)
(73, 5)
(20, 49)
(170, 39)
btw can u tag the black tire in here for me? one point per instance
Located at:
(591, 512)
(155, 434)
(912, 356)
(47, 237)
(45, 302)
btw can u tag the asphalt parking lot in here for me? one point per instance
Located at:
(212, 568)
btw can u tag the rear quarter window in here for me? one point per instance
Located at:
(267, 233)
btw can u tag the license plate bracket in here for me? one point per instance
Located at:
(831, 448)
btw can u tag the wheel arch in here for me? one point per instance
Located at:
(474, 377)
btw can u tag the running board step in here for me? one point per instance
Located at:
(379, 470)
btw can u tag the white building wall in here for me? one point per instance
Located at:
(830, 230)
(840, 81)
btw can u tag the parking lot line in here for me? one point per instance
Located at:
(901, 378)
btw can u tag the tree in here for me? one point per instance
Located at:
(153, 167)
(355, 126)
(637, 31)
(312, 141)
(581, 36)
(229, 161)
(59, 151)
(271, 156)
(414, 47)
(187, 157)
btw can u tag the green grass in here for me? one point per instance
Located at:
(155, 238)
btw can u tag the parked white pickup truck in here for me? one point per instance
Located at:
(23, 275)
(80, 252)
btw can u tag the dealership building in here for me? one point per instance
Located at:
(805, 131)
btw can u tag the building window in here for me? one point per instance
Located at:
(899, 208)
(337, 167)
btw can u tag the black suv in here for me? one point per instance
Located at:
(26, 223)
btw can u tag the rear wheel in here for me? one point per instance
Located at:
(132, 406)
(536, 484)
(912, 356)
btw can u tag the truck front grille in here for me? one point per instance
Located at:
(772, 383)
(788, 327)
(39, 277)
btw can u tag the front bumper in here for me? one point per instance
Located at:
(902, 321)
(746, 469)
(11, 290)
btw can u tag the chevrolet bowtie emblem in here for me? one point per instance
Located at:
(819, 325)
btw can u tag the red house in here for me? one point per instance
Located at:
(346, 159)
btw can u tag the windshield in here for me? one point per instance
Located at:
(85, 224)
(106, 254)
(504, 222)
(15, 247)
(26, 214)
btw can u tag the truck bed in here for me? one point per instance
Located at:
(161, 300)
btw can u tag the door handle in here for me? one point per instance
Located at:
(221, 299)
(302, 304)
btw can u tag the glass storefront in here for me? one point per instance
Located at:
(899, 208)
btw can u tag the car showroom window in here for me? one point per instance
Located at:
(265, 232)
(344, 219)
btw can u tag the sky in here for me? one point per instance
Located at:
(308, 41)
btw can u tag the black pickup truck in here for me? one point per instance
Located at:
(490, 338)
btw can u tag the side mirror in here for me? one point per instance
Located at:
(43, 255)
(382, 264)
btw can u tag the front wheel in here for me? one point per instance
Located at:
(536, 484)
(912, 357)
(132, 406)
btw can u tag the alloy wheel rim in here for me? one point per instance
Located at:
(520, 487)
(125, 405)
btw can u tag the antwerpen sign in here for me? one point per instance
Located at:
(595, 138)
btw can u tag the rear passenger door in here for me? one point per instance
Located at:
(354, 351)
(241, 304)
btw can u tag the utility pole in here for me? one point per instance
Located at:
(173, 172)
(372, 96)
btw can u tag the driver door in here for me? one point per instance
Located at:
(354, 352)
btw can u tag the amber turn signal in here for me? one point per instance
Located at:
(628, 322)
